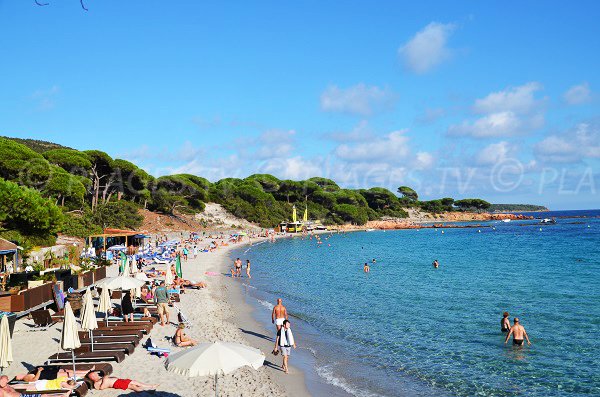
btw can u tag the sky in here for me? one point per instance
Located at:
(498, 100)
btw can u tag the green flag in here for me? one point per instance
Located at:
(178, 266)
(123, 261)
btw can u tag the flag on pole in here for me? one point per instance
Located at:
(178, 266)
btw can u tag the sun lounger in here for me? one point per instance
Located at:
(42, 319)
(28, 389)
(87, 357)
(112, 332)
(136, 320)
(143, 327)
(124, 347)
(111, 339)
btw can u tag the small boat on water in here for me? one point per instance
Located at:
(506, 220)
(370, 230)
(548, 220)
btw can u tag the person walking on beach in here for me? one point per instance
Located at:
(248, 268)
(238, 267)
(505, 323)
(518, 332)
(161, 295)
(284, 342)
(127, 307)
(279, 314)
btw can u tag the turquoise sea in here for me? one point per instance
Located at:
(409, 329)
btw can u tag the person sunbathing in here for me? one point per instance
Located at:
(60, 383)
(103, 382)
(5, 389)
(188, 283)
(48, 373)
(181, 339)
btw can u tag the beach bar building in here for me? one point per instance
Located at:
(7, 250)
(130, 239)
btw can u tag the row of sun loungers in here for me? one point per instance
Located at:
(112, 341)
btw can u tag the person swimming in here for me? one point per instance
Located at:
(436, 264)
(366, 268)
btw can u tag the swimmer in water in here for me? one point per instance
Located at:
(436, 264)
(505, 323)
(366, 268)
(518, 332)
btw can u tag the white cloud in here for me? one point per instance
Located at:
(494, 153)
(518, 100)
(509, 112)
(45, 98)
(360, 99)
(393, 146)
(427, 48)
(573, 146)
(296, 168)
(424, 160)
(362, 131)
(578, 94)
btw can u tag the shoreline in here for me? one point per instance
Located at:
(303, 379)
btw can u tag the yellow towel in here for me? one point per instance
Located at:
(55, 384)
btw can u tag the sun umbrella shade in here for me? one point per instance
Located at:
(168, 276)
(88, 318)
(70, 338)
(104, 305)
(120, 282)
(5, 344)
(214, 359)
(142, 276)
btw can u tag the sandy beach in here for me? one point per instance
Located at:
(213, 313)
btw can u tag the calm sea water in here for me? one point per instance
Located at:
(409, 329)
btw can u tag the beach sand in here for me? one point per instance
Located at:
(212, 313)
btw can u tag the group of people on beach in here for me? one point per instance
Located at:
(53, 377)
(236, 270)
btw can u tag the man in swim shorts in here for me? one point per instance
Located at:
(518, 332)
(279, 314)
(102, 382)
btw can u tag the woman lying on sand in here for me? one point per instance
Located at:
(101, 382)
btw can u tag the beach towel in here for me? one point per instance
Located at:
(286, 338)
(212, 274)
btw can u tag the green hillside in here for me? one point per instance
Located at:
(81, 192)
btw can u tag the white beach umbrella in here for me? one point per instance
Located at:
(88, 316)
(104, 304)
(219, 358)
(69, 339)
(168, 276)
(142, 276)
(5, 344)
(120, 282)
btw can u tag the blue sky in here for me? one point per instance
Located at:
(461, 99)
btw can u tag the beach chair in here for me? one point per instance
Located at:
(144, 327)
(111, 339)
(42, 319)
(124, 347)
(86, 357)
(108, 332)
(28, 389)
(137, 318)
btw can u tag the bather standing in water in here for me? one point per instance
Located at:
(505, 322)
(518, 333)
